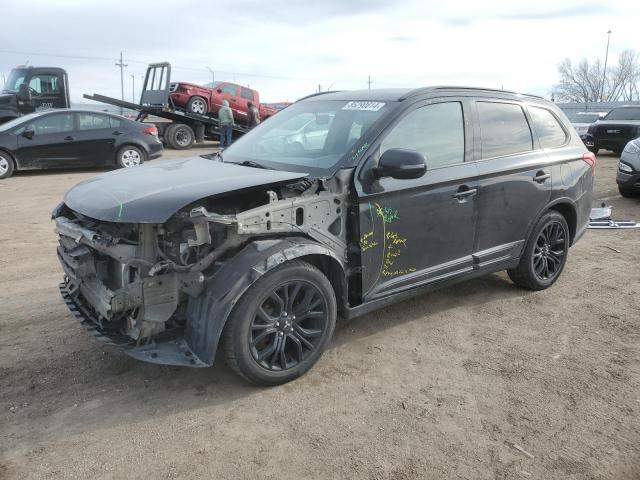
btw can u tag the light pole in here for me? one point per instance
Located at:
(213, 76)
(121, 65)
(133, 88)
(604, 73)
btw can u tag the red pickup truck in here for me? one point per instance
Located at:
(207, 100)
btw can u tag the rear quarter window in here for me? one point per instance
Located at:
(550, 132)
(504, 129)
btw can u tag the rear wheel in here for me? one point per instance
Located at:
(281, 325)
(129, 156)
(544, 255)
(197, 105)
(180, 136)
(6, 165)
(625, 192)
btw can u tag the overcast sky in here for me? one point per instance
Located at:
(285, 48)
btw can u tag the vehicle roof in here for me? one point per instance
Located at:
(399, 94)
(30, 67)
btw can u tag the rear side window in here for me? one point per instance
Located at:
(504, 129)
(246, 94)
(436, 131)
(230, 89)
(89, 121)
(549, 131)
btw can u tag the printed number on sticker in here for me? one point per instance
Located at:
(368, 106)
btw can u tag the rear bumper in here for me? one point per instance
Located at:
(154, 150)
(169, 351)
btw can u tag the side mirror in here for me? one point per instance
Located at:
(219, 90)
(24, 93)
(401, 163)
(29, 132)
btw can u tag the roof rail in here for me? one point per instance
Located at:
(455, 87)
(317, 94)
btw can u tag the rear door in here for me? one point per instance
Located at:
(96, 138)
(421, 230)
(231, 93)
(54, 143)
(514, 180)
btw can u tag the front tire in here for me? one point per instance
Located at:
(197, 105)
(281, 325)
(544, 255)
(6, 165)
(129, 156)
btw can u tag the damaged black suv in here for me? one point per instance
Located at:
(342, 203)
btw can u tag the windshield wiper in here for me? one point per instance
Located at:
(251, 163)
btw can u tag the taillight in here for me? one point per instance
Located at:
(590, 158)
(150, 131)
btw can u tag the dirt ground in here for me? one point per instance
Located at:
(478, 381)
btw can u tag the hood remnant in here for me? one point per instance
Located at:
(600, 218)
(152, 193)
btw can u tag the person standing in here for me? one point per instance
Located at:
(254, 114)
(225, 116)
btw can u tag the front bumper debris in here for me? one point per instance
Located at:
(170, 351)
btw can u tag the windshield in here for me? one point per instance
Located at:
(211, 85)
(309, 137)
(18, 121)
(16, 78)
(624, 114)
(585, 117)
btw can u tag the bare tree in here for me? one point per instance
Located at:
(584, 82)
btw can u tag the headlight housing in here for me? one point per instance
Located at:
(623, 167)
(632, 148)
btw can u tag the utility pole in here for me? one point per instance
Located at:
(369, 82)
(121, 65)
(133, 88)
(213, 76)
(319, 88)
(604, 74)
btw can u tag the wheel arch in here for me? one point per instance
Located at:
(12, 158)
(567, 209)
(207, 313)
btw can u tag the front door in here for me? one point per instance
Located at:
(419, 231)
(53, 144)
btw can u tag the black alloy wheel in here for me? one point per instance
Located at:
(545, 253)
(281, 324)
(288, 325)
(549, 251)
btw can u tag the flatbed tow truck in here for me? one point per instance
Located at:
(181, 129)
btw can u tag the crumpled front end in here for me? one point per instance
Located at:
(140, 286)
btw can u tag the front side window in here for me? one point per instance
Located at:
(44, 84)
(16, 78)
(230, 90)
(246, 94)
(309, 137)
(549, 131)
(90, 121)
(57, 123)
(436, 131)
(504, 129)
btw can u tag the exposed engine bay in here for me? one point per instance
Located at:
(136, 279)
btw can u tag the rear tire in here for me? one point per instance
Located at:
(197, 105)
(129, 156)
(544, 255)
(625, 192)
(180, 136)
(281, 324)
(6, 165)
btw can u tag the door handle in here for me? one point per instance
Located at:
(69, 138)
(541, 176)
(464, 192)
(117, 132)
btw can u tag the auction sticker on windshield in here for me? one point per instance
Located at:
(368, 106)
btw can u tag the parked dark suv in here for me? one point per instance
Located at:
(261, 251)
(614, 131)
